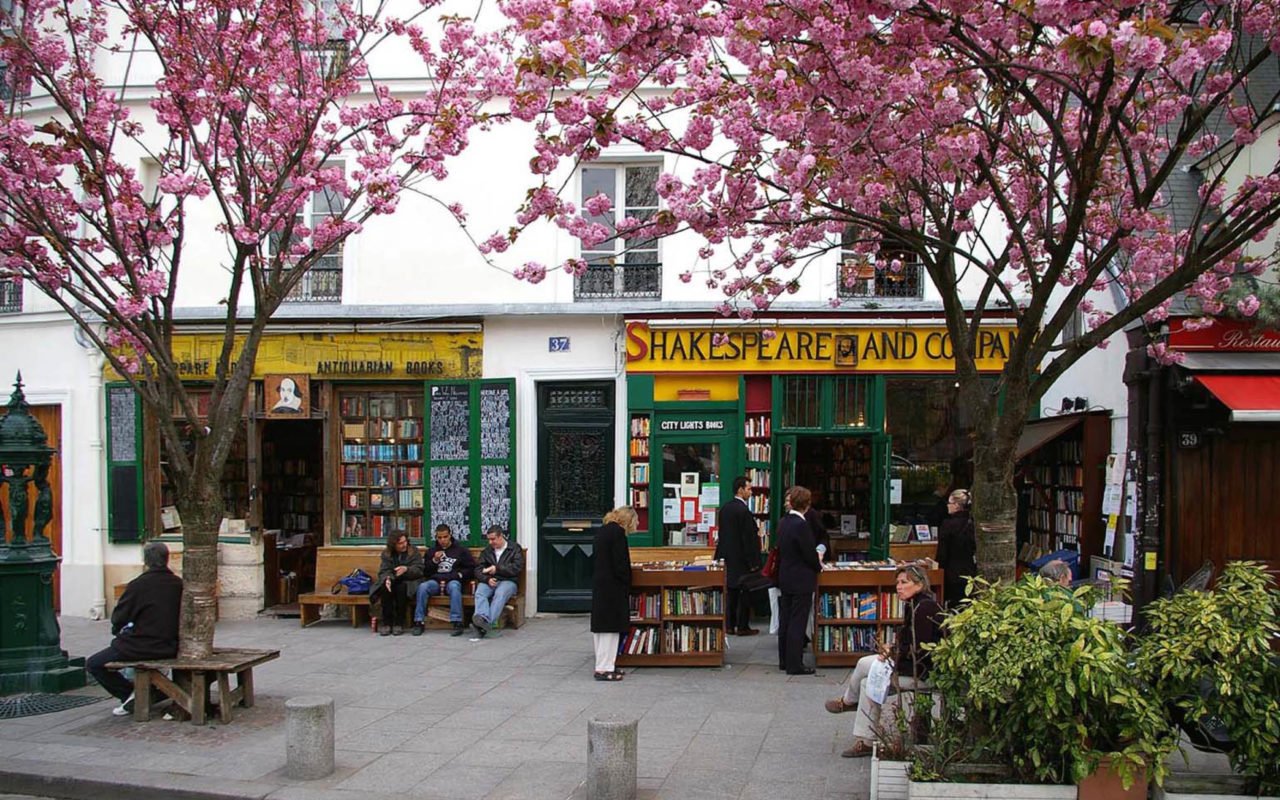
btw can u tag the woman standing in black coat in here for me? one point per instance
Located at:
(611, 589)
(798, 569)
(957, 547)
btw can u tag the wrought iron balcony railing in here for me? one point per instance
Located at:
(321, 284)
(10, 296)
(866, 281)
(611, 281)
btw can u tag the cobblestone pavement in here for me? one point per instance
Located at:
(456, 718)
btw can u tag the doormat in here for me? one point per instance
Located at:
(30, 705)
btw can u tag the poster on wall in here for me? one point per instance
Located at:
(688, 484)
(287, 396)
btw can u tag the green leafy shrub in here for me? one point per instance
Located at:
(1223, 637)
(1030, 681)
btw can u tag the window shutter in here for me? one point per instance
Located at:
(125, 517)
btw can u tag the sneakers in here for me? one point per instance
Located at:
(396, 630)
(481, 625)
(124, 709)
(418, 628)
(458, 629)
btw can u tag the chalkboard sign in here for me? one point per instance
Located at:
(450, 423)
(451, 499)
(124, 425)
(495, 422)
(495, 497)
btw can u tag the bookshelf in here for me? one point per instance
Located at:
(838, 470)
(854, 608)
(380, 474)
(292, 496)
(757, 428)
(677, 619)
(638, 467)
(1062, 487)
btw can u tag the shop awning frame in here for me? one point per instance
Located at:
(1040, 432)
(1251, 397)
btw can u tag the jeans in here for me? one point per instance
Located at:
(491, 600)
(430, 589)
(109, 679)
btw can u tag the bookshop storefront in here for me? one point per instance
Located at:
(864, 414)
(346, 437)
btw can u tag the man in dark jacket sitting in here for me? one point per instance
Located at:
(447, 565)
(144, 623)
(500, 565)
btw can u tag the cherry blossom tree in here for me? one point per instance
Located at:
(1029, 149)
(136, 121)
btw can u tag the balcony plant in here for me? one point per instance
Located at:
(1030, 682)
(1221, 639)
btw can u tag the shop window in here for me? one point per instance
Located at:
(686, 468)
(894, 272)
(801, 401)
(932, 445)
(850, 401)
(381, 469)
(125, 521)
(620, 267)
(234, 483)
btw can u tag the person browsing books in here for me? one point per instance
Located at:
(611, 589)
(500, 565)
(448, 564)
(798, 568)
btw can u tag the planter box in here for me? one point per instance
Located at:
(1183, 786)
(888, 779)
(988, 791)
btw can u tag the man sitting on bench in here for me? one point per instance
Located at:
(447, 563)
(496, 575)
(145, 625)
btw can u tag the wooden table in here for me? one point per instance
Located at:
(191, 678)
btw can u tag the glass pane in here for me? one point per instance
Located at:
(850, 402)
(327, 202)
(598, 181)
(642, 187)
(687, 469)
(932, 447)
(801, 402)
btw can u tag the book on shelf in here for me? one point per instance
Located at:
(758, 451)
(639, 473)
(692, 638)
(644, 606)
(758, 427)
(352, 475)
(640, 426)
(639, 448)
(694, 602)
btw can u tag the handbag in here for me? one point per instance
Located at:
(358, 582)
(770, 569)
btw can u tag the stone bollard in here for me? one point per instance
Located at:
(611, 759)
(309, 737)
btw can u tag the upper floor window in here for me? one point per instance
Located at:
(13, 85)
(323, 281)
(619, 267)
(331, 47)
(10, 296)
(861, 276)
(1074, 328)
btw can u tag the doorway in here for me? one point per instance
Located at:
(574, 487)
(291, 487)
(50, 418)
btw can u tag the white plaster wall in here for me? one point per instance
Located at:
(516, 347)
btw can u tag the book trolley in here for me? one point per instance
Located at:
(854, 608)
(677, 618)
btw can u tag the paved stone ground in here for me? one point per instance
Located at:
(439, 717)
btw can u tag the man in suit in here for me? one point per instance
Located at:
(144, 622)
(739, 546)
(798, 568)
(500, 565)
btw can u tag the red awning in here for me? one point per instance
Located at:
(1251, 398)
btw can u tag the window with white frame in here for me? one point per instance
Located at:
(621, 267)
(323, 281)
(894, 272)
(13, 85)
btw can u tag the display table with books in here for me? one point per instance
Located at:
(856, 607)
(677, 616)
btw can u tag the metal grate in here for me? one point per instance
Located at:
(850, 401)
(606, 281)
(30, 705)
(801, 401)
(321, 284)
(855, 282)
(10, 296)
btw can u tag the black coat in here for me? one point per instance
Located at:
(152, 602)
(411, 560)
(957, 548)
(798, 564)
(739, 545)
(457, 563)
(921, 625)
(509, 568)
(611, 581)
(819, 531)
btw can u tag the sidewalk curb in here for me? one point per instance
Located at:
(48, 779)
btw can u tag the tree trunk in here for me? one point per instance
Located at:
(995, 501)
(201, 513)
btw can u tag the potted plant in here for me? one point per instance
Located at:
(898, 736)
(1209, 653)
(1036, 686)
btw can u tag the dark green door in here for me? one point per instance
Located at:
(575, 487)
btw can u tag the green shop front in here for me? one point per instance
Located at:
(864, 414)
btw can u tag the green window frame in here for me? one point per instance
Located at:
(825, 403)
(485, 468)
(126, 507)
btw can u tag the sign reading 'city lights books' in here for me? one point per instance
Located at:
(417, 355)
(808, 349)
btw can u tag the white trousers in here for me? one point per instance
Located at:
(606, 650)
(774, 594)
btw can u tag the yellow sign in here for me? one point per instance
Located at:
(341, 356)
(806, 349)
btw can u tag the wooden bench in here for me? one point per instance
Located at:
(333, 563)
(191, 678)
